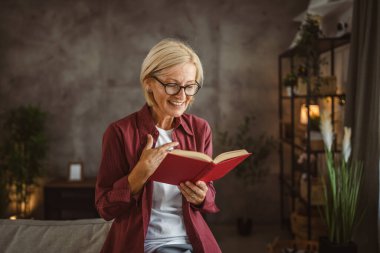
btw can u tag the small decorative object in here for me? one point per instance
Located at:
(290, 81)
(315, 136)
(327, 85)
(75, 171)
(313, 115)
(341, 29)
(341, 193)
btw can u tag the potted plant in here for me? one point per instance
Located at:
(308, 51)
(252, 169)
(290, 81)
(22, 152)
(341, 192)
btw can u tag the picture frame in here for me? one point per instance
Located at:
(75, 172)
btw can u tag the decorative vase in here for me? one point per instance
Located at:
(289, 90)
(325, 246)
(244, 226)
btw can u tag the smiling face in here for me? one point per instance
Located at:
(167, 107)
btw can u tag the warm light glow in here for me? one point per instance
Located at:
(14, 217)
(313, 111)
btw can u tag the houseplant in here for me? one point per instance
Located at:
(341, 192)
(252, 169)
(308, 51)
(23, 149)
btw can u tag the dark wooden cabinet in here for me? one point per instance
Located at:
(65, 200)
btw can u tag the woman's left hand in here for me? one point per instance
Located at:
(194, 193)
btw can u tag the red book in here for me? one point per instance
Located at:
(181, 165)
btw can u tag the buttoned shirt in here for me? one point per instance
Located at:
(123, 143)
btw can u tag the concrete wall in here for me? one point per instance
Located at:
(80, 61)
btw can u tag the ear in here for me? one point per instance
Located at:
(148, 85)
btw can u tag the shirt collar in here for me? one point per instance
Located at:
(146, 124)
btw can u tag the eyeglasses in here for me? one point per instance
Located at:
(174, 88)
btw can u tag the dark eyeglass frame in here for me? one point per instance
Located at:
(172, 85)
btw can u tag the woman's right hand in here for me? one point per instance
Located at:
(149, 161)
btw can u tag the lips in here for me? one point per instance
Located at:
(176, 103)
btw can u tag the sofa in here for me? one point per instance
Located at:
(40, 236)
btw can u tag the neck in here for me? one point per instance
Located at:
(162, 121)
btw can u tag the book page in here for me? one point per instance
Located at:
(191, 154)
(229, 155)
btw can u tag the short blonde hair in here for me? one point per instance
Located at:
(165, 54)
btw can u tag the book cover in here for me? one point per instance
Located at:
(180, 166)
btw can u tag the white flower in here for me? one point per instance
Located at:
(346, 143)
(326, 129)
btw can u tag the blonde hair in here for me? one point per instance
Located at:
(165, 54)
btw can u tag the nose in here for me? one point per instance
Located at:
(181, 93)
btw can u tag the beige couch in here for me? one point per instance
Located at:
(38, 236)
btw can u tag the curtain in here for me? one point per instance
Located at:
(362, 114)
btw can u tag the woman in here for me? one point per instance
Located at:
(151, 216)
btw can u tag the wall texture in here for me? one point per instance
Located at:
(80, 61)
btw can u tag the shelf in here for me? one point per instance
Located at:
(300, 147)
(299, 140)
(324, 45)
(303, 148)
(315, 96)
(295, 193)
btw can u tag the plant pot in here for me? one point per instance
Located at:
(244, 226)
(289, 90)
(325, 246)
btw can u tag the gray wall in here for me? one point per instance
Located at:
(80, 61)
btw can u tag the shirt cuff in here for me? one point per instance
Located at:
(122, 190)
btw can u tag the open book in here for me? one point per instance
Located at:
(181, 165)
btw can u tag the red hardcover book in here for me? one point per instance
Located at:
(181, 165)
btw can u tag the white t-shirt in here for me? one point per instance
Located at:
(166, 224)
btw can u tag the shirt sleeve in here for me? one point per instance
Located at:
(208, 205)
(113, 195)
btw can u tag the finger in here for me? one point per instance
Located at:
(187, 189)
(190, 197)
(168, 145)
(194, 188)
(202, 185)
(149, 143)
(184, 193)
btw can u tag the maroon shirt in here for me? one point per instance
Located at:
(123, 143)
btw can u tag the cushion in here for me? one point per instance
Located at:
(53, 236)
